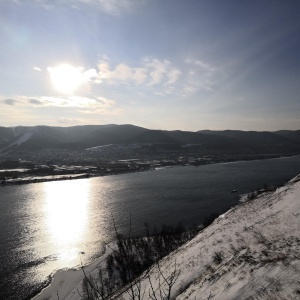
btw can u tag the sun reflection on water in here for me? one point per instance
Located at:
(66, 211)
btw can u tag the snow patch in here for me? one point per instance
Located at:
(22, 139)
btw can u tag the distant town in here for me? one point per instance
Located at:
(49, 165)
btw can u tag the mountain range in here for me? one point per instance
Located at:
(34, 138)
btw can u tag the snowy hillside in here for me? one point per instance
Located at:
(250, 252)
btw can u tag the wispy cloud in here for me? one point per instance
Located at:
(161, 77)
(68, 121)
(150, 72)
(37, 69)
(157, 70)
(35, 101)
(204, 66)
(173, 76)
(97, 105)
(113, 7)
(201, 64)
(10, 101)
(121, 73)
(201, 76)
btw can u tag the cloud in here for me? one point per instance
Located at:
(201, 77)
(158, 70)
(112, 7)
(10, 101)
(65, 121)
(121, 72)
(35, 101)
(102, 106)
(190, 89)
(90, 105)
(161, 77)
(150, 72)
(89, 74)
(173, 76)
(68, 121)
(202, 65)
(209, 86)
(37, 69)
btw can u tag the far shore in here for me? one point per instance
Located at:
(46, 178)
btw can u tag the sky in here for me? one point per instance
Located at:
(160, 64)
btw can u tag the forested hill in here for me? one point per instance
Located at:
(81, 137)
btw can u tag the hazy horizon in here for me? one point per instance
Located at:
(172, 65)
(163, 129)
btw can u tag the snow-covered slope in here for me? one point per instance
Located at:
(17, 141)
(250, 252)
(22, 139)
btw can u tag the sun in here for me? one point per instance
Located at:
(66, 78)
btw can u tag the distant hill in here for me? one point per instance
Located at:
(291, 135)
(80, 137)
(264, 140)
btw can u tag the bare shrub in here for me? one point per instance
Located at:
(218, 257)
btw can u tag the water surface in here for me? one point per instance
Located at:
(44, 226)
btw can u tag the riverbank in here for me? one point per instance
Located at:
(127, 166)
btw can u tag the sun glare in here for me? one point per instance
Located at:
(66, 78)
(66, 211)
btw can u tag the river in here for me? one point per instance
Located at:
(44, 226)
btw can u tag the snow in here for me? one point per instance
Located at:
(258, 245)
(22, 139)
(28, 179)
(67, 283)
(14, 170)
